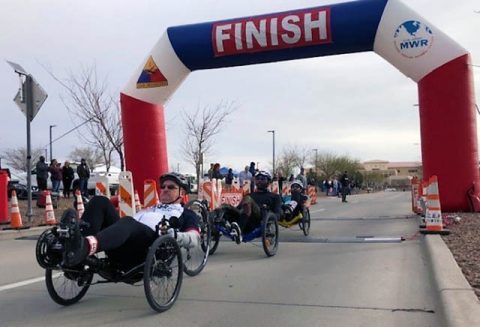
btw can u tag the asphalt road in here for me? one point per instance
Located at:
(352, 270)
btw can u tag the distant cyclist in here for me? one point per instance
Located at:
(294, 207)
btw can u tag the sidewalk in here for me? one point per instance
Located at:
(456, 300)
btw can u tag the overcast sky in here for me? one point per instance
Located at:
(355, 104)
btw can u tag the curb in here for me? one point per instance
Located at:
(13, 234)
(458, 304)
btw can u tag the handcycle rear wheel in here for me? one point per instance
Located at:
(270, 234)
(196, 258)
(305, 222)
(67, 287)
(215, 239)
(163, 273)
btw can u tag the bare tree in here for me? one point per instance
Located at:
(17, 158)
(92, 156)
(88, 101)
(287, 161)
(200, 129)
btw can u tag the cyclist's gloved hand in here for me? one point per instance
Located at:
(171, 232)
(188, 239)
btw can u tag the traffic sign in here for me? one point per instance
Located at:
(39, 97)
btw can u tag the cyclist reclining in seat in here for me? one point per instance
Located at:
(294, 207)
(247, 216)
(126, 240)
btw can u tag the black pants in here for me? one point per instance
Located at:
(42, 184)
(238, 215)
(67, 183)
(125, 240)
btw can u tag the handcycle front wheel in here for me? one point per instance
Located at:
(163, 273)
(67, 287)
(195, 259)
(305, 222)
(270, 234)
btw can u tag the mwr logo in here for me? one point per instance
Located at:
(279, 31)
(413, 39)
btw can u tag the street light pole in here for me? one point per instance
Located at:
(51, 155)
(273, 164)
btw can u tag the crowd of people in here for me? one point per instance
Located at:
(62, 176)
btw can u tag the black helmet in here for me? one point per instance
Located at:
(264, 173)
(177, 178)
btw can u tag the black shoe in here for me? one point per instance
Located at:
(76, 246)
(69, 218)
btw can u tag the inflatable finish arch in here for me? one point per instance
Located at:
(402, 37)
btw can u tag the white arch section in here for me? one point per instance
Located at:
(389, 28)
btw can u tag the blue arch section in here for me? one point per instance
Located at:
(353, 29)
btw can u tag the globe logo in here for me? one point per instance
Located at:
(413, 39)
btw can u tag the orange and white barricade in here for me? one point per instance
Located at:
(102, 186)
(15, 216)
(286, 188)
(126, 194)
(80, 206)
(433, 215)
(218, 193)
(150, 194)
(49, 213)
(207, 193)
(312, 194)
(275, 187)
(246, 187)
(236, 185)
(415, 194)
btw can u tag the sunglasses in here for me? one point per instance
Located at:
(261, 177)
(169, 187)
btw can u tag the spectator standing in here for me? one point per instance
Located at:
(280, 179)
(345, 181)
(210, 172)
(229, 179)
(55, 170)
(291, 178)
(253, 172)
(244, 175)
(83, 172)
(42, 173)
(216, 172)
(68, 176)
(301, 177)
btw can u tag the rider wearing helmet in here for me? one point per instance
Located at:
(294, 206)
(249, 216)
(126, 240)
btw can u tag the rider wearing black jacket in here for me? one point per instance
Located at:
(249, 216)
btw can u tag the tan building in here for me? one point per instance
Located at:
(391, 173)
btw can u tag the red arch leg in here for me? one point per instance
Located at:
(449, 131)
(144, 139)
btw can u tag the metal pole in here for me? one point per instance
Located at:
(51, 155)
(28, 93)
(273, 152)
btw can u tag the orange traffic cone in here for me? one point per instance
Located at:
(49, 213)
(80, 206)
(433, 214)
(15, 216)
(138, 205)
